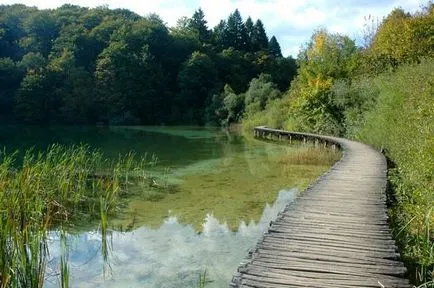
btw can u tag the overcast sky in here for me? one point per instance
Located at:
(291, 21)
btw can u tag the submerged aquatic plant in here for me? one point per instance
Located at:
(53, 190)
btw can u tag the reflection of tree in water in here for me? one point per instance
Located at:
(234, 186)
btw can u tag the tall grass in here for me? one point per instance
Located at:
(52, 190)
(310, 155)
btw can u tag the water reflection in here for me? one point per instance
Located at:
(171, 256)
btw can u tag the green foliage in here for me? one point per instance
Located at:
(42, 29)
(76, 65)
(198, 24)
(400, 38)
(261, 90)
(235, 33)
(10, 77)
(275, 114)
(33, 104)
(259, 38)
(326, 58)
(197, 81)
(33, 62)
(274, 47)
(231, 108)
(264, 105)
(355, 99)
(235, 69)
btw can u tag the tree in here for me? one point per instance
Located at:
(33, 62)
(10, 77)
(236, 33)
(33, 103)
(422, 26)
(235, 69)
(283, 71)
(197, 82)
(199, 24)
(12, 30)
(261, 90)
(274, 48)
(233, 105)
(42, 30)
(259, 37)
(250, 29)
(393, 41)
(219, 36)
(326, 58)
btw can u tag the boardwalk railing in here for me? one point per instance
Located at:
(335, 234)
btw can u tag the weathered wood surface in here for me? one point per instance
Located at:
(335, 234)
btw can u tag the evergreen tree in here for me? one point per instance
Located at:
(274, 47)
(219, 35)
(250, 28)
(199, 24)
(236, 32)
(259, 39)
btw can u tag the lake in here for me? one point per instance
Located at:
(226, 189)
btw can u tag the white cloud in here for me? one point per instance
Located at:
(292, 22)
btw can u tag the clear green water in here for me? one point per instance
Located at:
(226, 190)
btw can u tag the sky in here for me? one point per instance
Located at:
(291, 21)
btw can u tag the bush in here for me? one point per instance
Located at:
(275, 115)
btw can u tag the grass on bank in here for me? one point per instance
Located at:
(52, 190)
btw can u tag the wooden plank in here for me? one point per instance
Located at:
(351, 234)
(286, 237)
(329, 245)
(353, 252)
(325, 274)
(326, 257)
(335, 266)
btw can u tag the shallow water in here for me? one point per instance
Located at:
(226, 190)
(172, 255)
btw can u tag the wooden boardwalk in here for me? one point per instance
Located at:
(335, 234)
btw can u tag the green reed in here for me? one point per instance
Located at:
(52, 190)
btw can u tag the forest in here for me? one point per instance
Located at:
(75, 65)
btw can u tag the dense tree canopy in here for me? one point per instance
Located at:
(75, 65)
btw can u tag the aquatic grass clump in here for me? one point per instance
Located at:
(52, 190)
(310, 155)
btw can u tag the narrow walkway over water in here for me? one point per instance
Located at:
(335, 234)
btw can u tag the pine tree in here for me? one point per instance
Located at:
(260, 39)
(250, 29)
(274, 47)
(219, 36)
(199, 24)
(236, 32)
